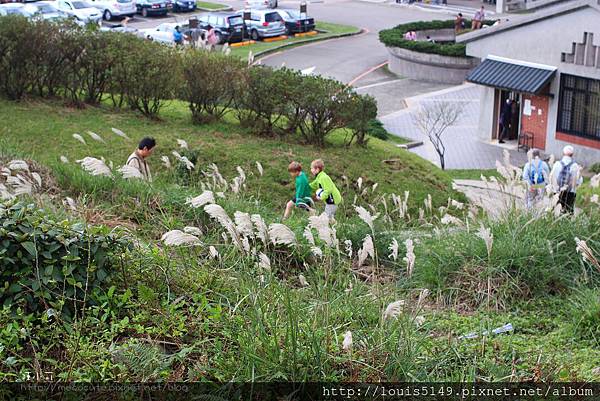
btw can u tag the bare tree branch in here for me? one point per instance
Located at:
(433, 118)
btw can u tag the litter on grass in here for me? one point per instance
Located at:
(498, 330)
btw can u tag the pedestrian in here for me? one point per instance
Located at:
(478, 18)
(211, 37)
(302, 199)
(565, 178)
(138, 158)
(536, 175)
(325, 188)
(505, 116)
(459, 23)
(178, 36)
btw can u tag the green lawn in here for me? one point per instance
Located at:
(210, 6)
(329, 30)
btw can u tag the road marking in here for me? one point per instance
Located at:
(364, 74)
(380, 84)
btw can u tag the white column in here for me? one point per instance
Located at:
(500, 8)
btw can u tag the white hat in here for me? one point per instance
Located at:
(568, 150)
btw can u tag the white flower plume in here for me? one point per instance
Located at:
(393, 310)
(206, 197)
(95, 137)
(120, 133)
(178, 238)
(95, 166)
(130, 172)
(79, 138)
(281, 234)
(182, 144)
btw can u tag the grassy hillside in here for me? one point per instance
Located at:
(238, 307)
(44, 132)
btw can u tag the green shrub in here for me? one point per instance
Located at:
(363, 111)
(211, 83)
(395, 38)
(595, 168)
(49, 264)
(17, 54)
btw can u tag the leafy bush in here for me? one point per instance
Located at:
(211, 83)
(47, 264)
(363, 111)
(377, 130)
(153, 77)
(17, 55)
(395, 38)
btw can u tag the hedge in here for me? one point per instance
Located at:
(395, 38)
(88, 66)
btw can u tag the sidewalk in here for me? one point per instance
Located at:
(464, 148)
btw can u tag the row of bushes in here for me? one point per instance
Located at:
(395, 38)
(88, 66)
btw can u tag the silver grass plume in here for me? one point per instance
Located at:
(281, 234)
(95, 137)
(204, 198)
(179, 238)
(120, 133)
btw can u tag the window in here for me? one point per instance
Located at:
(579, 107)
(272, 17)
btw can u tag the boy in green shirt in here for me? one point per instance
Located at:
(326, 189)
(302, 199)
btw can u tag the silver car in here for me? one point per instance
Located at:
(44, 9)
(264, 24)
(260, 4)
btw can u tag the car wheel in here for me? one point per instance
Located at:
(107, 15)
(254, 35)
(144, 12)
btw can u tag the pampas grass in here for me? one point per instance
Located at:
(64, 159)
(409, 259)
(95, 137)
(179, 238)
(79, 138)
(206, 197)
(486, 235)
(324, 230)
(365, 216)
(368, 249)
(303, 281)
(188, 164)
(348, 248)
(260, 169)
(18, 165)
(394, 249)
(393, 310)
(165, 161)
(307, 233)
(264, 262)
(243, 224)
(95, 166)
(120, 133)
(193, 231)
(262, 231)
(586, 253)
(182, 144)
(347, 343)
(281, 234)
(129, 172)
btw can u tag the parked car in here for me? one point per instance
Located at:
(228, 26)
(295, 22)
(115, 8)
(43, 9)
(264, 24)
(184, 5)
(260, 4)
(11, 8)
(164, 33)
(82, 11)
(152, 7)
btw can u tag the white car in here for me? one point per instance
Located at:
(115, 8)
(260, 4)
(11, 8)
(43, 9)
(82, 11)
(162, 33)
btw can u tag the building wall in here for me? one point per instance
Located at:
(544, 42)
(537, 122)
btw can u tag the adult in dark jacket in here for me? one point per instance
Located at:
(505, 115)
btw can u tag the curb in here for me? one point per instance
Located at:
(227, 8)
(302, 42)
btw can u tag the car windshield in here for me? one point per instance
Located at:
(45, 8)
(293, 14)
(80, 4)
(235, 20)
(272, 17)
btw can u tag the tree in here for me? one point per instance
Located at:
(433, 118)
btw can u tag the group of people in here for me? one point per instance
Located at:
(323, 186)
(211, 37)
(564, 178)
